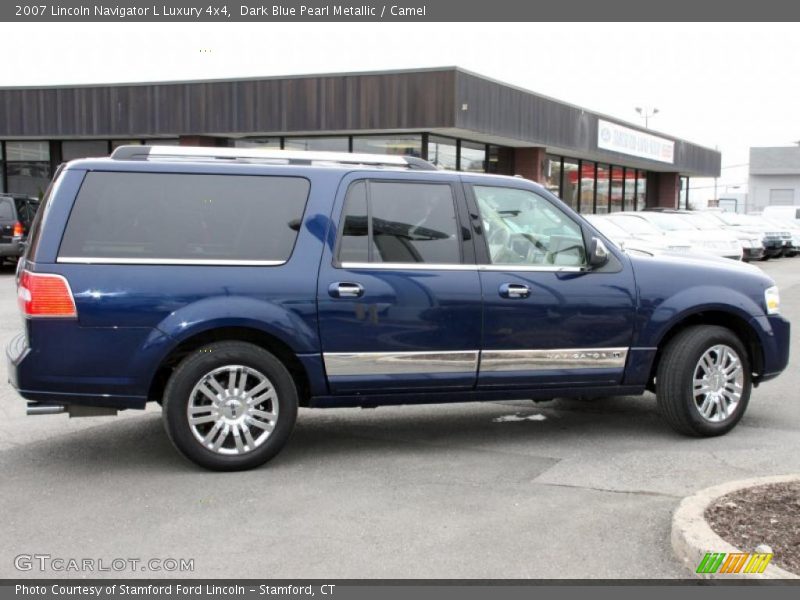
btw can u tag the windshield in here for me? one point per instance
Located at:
(669, 222)
(634, 225)
(608, 228)
(701, 221)
(732, 219)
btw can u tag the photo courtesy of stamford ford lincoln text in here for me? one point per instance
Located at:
(420, 300)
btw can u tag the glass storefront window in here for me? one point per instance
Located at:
(318, 144)
(683, 198)
(473, 157)
(617, 180)
(500, 160)
(569, 185)
(83, 149)
(586, 181)
(27, 167)
(629, 196)
(603, 189)
(442, 152)
(268, 142)
(28, 177)
(28, 151)
(400, 144)
(641, 190)
(552, 174)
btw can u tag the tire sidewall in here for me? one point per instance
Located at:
(193, 369)
(693, 354)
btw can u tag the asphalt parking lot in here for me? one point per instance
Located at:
(576, 489)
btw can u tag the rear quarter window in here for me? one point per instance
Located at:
(185, 217)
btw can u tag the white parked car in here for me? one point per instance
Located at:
(753, 244)
(717, 242)
(774, 238)
(622, 238)
(645, 233)
(794, 230)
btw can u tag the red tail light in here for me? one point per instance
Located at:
(45, 295)
(18, 229)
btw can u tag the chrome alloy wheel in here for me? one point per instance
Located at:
(233, 410)
(718, 383)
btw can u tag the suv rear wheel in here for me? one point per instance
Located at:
(703, 381)
(230, 406)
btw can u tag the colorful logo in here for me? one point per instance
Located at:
(735, 562)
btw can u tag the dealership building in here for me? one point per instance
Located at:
(449, 116)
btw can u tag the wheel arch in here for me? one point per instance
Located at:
(722, 318)
(251, 335)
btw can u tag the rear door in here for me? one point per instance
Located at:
(399, 294)
(549, 320)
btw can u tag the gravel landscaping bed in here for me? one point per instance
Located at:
(761, 519)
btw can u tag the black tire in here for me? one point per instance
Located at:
(193, 369)
(675, 375)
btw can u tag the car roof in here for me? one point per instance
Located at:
(211, 159)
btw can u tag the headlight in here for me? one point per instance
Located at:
(772, 299)
(747, 244)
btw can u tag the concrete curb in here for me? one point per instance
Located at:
(692, 537)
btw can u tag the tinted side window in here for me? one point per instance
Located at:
(354, 242)
(523, 228)
(185, 216)
(394, 222)
(413, 222)
(6, 209)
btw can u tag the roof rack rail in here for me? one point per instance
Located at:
(259, 155)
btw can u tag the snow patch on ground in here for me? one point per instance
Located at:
(517, 418)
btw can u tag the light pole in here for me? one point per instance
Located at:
(646, 113)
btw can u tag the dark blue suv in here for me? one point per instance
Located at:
(234, 286)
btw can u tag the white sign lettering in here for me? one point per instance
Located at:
(625, 140)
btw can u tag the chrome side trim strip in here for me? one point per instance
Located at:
(457, 267)
(97, 260)
(399, 363)
(541, 360)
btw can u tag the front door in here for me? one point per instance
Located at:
(549, 320)
(399, 293)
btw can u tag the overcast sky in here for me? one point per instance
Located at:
(729, 86)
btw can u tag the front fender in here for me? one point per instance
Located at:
(658, 318)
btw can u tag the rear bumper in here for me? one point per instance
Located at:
(11, 249)
(39, 383)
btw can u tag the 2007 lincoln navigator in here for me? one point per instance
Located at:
(233, 286)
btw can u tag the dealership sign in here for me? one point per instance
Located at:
(625, 140)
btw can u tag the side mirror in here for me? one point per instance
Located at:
(598, 253)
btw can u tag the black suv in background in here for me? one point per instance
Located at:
(16, 216)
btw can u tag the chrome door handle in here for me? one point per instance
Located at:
(346, 289)
(514, 290)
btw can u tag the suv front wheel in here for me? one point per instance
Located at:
(230, 406)
(703, 381)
